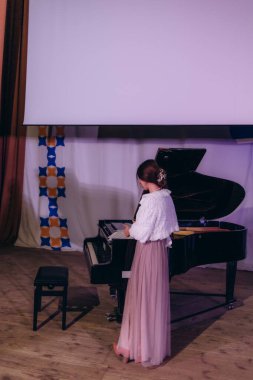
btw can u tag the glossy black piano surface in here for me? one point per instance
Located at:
(199, 200)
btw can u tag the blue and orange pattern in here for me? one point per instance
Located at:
(53, 229)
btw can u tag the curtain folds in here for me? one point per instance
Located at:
(12, 133)
(84, 179)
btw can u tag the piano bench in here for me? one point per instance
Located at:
(47, 279)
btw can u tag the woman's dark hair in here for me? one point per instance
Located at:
(149, 171)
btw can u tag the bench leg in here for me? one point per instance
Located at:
(37, 306)
(64, 307)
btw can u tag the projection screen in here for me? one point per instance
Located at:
(139, 62)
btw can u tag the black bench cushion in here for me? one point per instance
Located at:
(51, 275)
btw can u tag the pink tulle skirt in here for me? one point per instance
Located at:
(145, 330)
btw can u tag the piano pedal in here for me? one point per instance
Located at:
(111, 318)
(108, 315)
(115, 316)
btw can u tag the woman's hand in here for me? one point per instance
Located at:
(126, 230)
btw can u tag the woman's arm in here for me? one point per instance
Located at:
(145, 221)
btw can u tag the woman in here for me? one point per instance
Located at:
(145, 330)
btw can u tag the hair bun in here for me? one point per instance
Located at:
(161, 177)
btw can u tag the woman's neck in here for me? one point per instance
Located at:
(153, 187)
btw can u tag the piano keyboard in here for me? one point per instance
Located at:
(93, 256)
(98, 253)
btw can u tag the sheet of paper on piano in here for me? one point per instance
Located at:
(119, 234)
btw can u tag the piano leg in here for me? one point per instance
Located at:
(119, 292)
(230, 283)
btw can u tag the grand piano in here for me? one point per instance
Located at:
(199, 200)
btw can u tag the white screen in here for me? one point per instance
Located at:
(113, 62)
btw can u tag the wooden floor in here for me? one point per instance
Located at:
(214, 346)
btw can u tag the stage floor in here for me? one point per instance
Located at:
(214, 345)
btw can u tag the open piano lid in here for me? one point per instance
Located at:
(197, 196)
